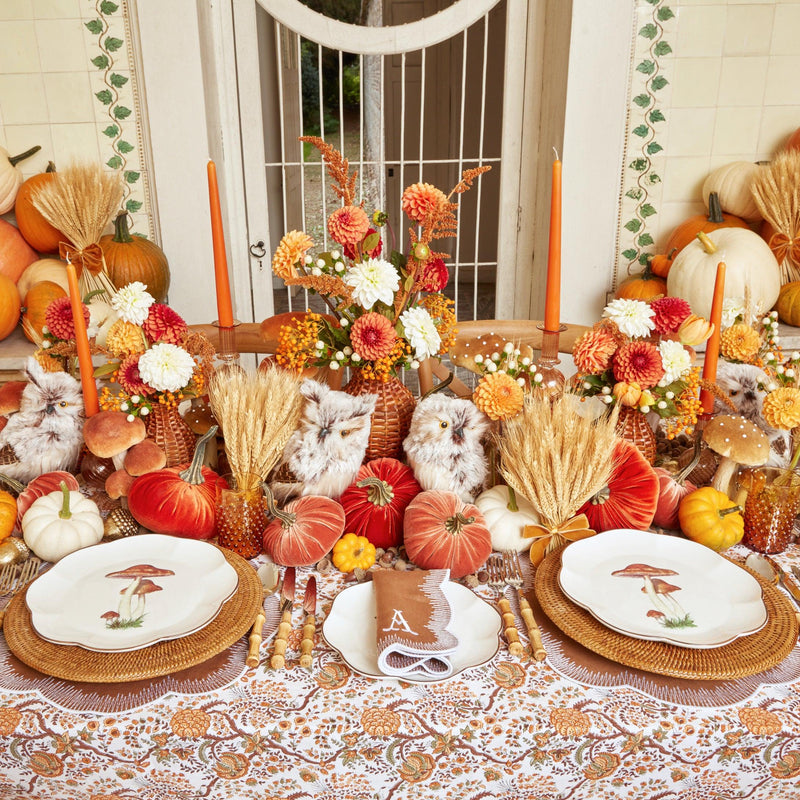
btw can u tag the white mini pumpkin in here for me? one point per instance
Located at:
(505, 523)
(732, 184)
(52, 536)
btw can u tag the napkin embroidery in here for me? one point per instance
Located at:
(412, 618)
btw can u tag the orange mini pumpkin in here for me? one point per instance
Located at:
(39, 296)
(642, 286)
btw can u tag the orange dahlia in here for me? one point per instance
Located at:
(291, 249)
(420, 199)
(740, 342)
(498, 395)
(348, 225)
(638, 362)
(781, 408)
(372, 336)
(593, 350)
(163, 324)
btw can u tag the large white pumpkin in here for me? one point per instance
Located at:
(749, 262)
(732, 183)
(505, 525)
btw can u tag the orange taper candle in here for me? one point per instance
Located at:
(85, 365)
(552, 301)
(712, 345)
(221, 278)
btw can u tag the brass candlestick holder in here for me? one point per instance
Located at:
(548, 378)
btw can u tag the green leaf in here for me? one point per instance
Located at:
(117, 80)
(107, 7)
(642, 100)
(133, 205)
(633, 225)
(131, 176)
(101, 62)
(654, 177)
(408, 283)
(656, 116)
(121, 112)
(653, 148)
(370, 242)
(635, 194)
(629, 254)
(104, 96)
(649, 31)
(111, 131)
(647, 67)
(124, 147)
(95, 26)
(664, 13)
(112, 44)
(115, 162)
(659, 82)
(662, 48)
(644, 240)
(647, 210)
(644, 258)
(641, 130)
(639, 164)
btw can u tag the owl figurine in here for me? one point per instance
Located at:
(325, 452)
(46, 433)
(444, 446)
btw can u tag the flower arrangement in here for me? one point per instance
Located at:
(639, 356)
(385, 311)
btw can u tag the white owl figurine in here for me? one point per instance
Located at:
(444, 445)
(46, 433)
(326, 451)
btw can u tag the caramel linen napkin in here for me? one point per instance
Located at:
(412, 618)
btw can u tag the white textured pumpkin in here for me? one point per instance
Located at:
(45, 269)
(505, 523)
(11, 177)
(52, 536)
(749, 262)
(732, 183)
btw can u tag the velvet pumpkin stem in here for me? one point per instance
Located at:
(455, 523)
(14, 160)
(65, 513)
(287, 518)
(379, 493)
(12, 483)
(193, 474)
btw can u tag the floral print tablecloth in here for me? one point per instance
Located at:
(512, 728)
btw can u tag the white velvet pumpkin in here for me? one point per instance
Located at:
(506, 526)
(732, 184)
(749, 262)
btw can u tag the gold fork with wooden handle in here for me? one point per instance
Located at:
(11, 580)
(514, 570)
(310, 625)
(278, 660)
(497, 579)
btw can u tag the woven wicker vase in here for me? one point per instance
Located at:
(392, 414)
(167, 428)
(633, 426)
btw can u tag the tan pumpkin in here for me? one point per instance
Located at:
(15, 253)
(134, 258)
(788, 305)
(9, 306)
(750, 264)
(10, 176)
(39, 296)
(45, 269)
(732, 184)
(36, 230)
(642, 286)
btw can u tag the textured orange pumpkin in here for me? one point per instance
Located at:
(38, 232)
(687, 231)
(39, 296)
(642, 286)
(788, 305)
(9, 306)
(15, 253)
(134, 258)
(441, 531)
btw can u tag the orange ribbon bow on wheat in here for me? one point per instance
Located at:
(545, 540)
(785, 248)
(90, 257)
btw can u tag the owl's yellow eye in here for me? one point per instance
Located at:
(63, 404)
(443, 424)
(344, 434)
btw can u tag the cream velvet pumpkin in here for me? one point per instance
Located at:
(732, 184)
(505, 523)
(749, 262)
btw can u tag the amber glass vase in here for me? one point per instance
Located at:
(242, 515)
(773, 500)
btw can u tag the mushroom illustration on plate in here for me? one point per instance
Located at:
(666, 609)
(130, 613)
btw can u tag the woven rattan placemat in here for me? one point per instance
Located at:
(747, 655)
(76, 664)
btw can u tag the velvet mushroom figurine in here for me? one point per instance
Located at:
(739, 442)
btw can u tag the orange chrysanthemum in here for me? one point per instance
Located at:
(498, 395)
(420, 199)
(291, 249)
(593, 350)
(348, 225)
(372, 336)
(638, 362)
(781, 408)
(124, 339)
(740, 342)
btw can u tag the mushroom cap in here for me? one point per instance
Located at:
(737, 438)
(655, 614)
(662, 587)
(642, 571)
(145, 587)
(109, 615)
(140, 571)
(118, 484)
(144, 457)
(109, 433)
(10, 396)
(463, 352)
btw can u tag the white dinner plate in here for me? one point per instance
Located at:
(76, 601)
(350, 628)
(695, 597)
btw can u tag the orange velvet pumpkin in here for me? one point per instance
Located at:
(134, 258)
(36, 230)
(642, 286)
(15, 253)
(39, 296)
(687, 231)
(9, 306)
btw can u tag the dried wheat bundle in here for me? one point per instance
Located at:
(776, 190)
(80, 201)
(258, 412)
(556, 457)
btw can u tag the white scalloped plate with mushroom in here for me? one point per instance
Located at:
(131, 593)
(662, 588)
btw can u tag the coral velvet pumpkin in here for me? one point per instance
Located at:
(303, 531)
(443, 532)
(43, 484)
(179, 501)
(376, 501)
(630, 498)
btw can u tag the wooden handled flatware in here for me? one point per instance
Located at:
(268, 573)
(497, 579)
(514, 569)
(309, 627)
(278, 660)
(15, 577)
